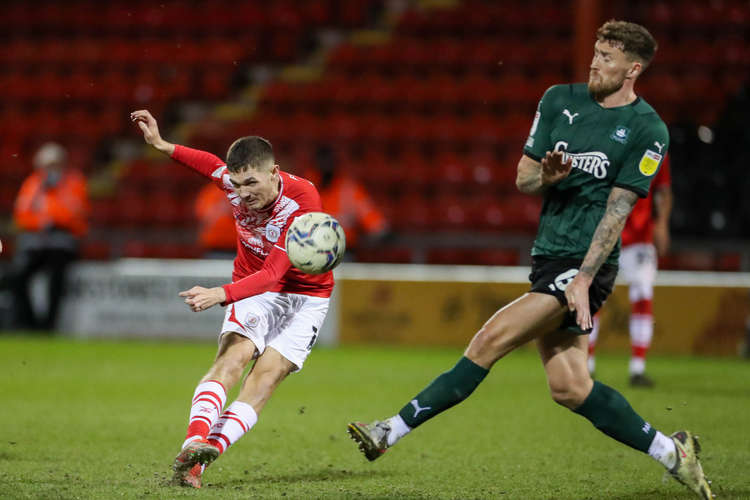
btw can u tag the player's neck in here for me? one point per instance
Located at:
(624, 96)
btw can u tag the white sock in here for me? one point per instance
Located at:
(399, 429)
(592, 364)
(637, 366)
(232, 424)
(641, 333)
(663, 450)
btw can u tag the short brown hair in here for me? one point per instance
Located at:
(249, 152)
(631, 38)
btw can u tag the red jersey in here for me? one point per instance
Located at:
(639, 228)
(261, 264)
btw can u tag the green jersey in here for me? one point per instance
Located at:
(621, 147)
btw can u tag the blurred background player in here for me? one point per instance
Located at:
(274, 311)
(217, 237)
(644, 239)
(347, 200)
(50, 214)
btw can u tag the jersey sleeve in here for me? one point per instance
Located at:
(644, 158)
(202, 162)
(539, 141)
(274, 267)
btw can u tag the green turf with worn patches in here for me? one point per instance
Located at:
(105, 419)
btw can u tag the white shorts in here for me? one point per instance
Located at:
(288, 322)
(638, 267)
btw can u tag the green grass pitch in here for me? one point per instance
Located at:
(105, 419)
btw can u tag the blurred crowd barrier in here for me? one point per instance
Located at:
(415, 305)
(694, 312)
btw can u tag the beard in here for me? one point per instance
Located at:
(600, 88)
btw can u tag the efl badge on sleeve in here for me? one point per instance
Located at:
(649, 162)
(272, 233)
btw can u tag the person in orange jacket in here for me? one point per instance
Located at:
(50, 213)
(346, 199)
(217, 236)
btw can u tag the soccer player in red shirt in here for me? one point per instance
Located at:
(645, 236)
(274, 312)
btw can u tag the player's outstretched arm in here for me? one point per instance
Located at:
(535, 177)
(619, 205)
(201, 161)
(150, 129)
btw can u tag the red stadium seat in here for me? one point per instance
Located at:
(497, 257)
(131, 210)
(387, 255)
(440, 110)
(415, 214)
(451, 212)
(414, 168)
(490, 214)
(480, 91)
(469, 256)
(487, 169)
(105, 212)
(96, 250)
(452, 169)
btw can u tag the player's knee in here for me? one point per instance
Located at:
(492, 342)
(568, 394)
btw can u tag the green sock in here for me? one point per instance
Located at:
(447, 390)
(611, 413)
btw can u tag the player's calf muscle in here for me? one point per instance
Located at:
(259, 386)
(228, 373)
(228, 368)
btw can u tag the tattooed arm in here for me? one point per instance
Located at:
(619, 205)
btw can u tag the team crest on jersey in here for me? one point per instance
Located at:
(620, 134)
(272, 233)
(649, 162)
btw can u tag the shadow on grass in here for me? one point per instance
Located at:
(320, 475)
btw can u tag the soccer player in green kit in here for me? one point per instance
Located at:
(592, 152)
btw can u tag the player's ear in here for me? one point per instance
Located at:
(275, 170)
(636, 68)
